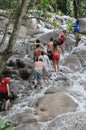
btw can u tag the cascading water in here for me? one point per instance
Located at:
(76, 90)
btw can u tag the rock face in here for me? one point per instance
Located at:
(82, 25)
(81, 54)
(25, 121)
(72, 62)
(52, 105)
(46, 37)
(73, 121)
(19, 67)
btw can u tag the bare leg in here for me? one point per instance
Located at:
(58, 64)
(7, 104)
(35, 82)
(54, 65)
(40, 82)
(62, 48)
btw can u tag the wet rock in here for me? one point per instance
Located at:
(82, 25)
(22, 119)
(72, 62)
(20, 63)
(30, 126)
(46, 37)
(81, 54)
(52, 105)
(72, 121)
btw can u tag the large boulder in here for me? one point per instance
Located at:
(72, 62)
(82, 25)
(46, 37)
(24, 121)
(52, 105)
(81, 54)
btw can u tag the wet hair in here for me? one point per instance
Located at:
(64, 31)
(1, 77)
(37, 41)
(42, 53)
(37, 45)
(51, 39)
(55, 43)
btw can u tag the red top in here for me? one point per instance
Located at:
(62, 37)
(3, 85)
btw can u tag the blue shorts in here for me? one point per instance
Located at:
(38, 75)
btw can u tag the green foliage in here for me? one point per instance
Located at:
(78, 36)
(62, 5)
(70, 26)
(1, 58)
(59, 13)
(4, 125)
(82, 9)
(69, 6)
(49, 16)
(11, 1)
(54, 23)
(65, 6)
(53, 1)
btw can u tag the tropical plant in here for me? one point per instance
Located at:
(4, 125)
(70, 26)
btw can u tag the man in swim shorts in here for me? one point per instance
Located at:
(39, 72)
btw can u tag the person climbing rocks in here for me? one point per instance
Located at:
(76, 26)
(61, 40)
(50, 48)
(56, 56)
(37, 52)
(5, 93)
(39, 72)
(46, 61)
(36, 43)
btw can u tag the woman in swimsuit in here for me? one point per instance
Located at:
(56, 56)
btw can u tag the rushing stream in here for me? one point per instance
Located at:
(76, 89)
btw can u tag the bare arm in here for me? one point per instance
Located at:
(8, 90)
(32, 45)
(41, 45)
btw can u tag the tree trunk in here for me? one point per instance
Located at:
(13, 38)
(5, 33)
(75, 8)
(76, 5)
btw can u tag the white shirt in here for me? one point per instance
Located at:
(46, 61)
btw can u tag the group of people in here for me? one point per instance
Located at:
(44, 60)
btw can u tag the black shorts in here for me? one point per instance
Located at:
(60, 42)
(50, 54)
(4, 96)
